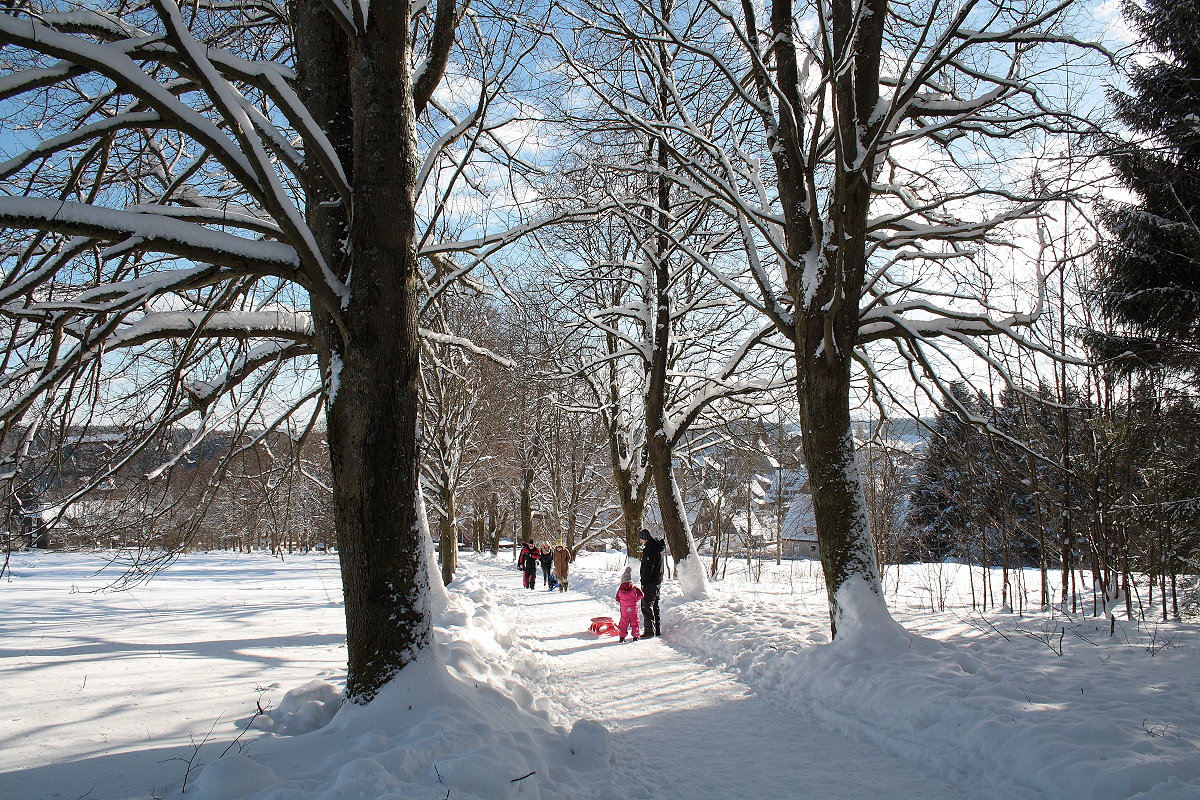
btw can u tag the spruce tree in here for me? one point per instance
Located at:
(944, 502)
(1150, 266)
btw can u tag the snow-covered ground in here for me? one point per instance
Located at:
(108, 695)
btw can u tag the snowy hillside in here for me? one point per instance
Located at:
(127, 695)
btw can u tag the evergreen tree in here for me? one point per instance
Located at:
(942, 506)
(975, 494)
(1156, 449)
(1150, 267)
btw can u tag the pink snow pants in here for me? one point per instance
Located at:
(629, 618)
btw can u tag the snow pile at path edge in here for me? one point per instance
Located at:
(457, 722)
(1067, 727)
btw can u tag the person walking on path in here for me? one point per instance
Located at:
(628, 596)
(521, 564)
(546, 558)
(562, 564)
(528, 564)
(652, 575)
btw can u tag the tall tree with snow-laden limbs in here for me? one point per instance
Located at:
(864, 152)
(672, 338)
(239, 211)
(662, 350)
(1150, 265)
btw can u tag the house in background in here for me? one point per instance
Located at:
(799, 530)
(783, 507)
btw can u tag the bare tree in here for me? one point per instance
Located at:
(834, 136)
(662, 349)
(230, 227)
(595, 359)
(453, 390)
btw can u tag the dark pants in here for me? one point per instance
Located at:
(530, 577)
(650, 621)
(546, 569)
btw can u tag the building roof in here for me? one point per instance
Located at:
(799, 522)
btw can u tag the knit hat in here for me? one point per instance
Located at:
(645, 534)
(627, 575)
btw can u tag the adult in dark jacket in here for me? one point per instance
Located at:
(652, 576)
(546, 558)
(528, 564)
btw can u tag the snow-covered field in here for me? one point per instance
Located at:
(152, 692)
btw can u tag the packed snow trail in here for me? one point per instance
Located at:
(683, 731)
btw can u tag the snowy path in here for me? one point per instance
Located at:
(683, 731)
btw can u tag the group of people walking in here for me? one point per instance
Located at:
(556, 561)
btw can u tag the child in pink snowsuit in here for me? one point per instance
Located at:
(628, 597)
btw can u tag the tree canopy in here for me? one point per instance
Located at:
(1149, 281)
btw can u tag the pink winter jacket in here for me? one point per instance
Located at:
(628, 596)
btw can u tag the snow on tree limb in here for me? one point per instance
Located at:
(243, 140)
(224, 217)
(242, 117)
(47, 147)
(148, 232)
(113, 61)
(226, 324)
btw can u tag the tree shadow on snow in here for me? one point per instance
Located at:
(134, 775)
(91, 649)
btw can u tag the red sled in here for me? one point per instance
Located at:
(603, 626)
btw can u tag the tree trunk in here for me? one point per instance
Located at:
(843, 533)
(674, 520)
(633, 507)
(660, 449)
(373, 358)
(826, 335)
(632, 486)
(495, 526)
(526, 503)
(827, 299)
(448, 536)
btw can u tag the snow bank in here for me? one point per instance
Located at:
(693, 583)
(302, 710)
(1011, 706)
(459, 722)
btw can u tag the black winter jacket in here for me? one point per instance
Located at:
(652, 561)
(528, 561)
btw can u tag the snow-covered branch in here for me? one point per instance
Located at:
(129, 230)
